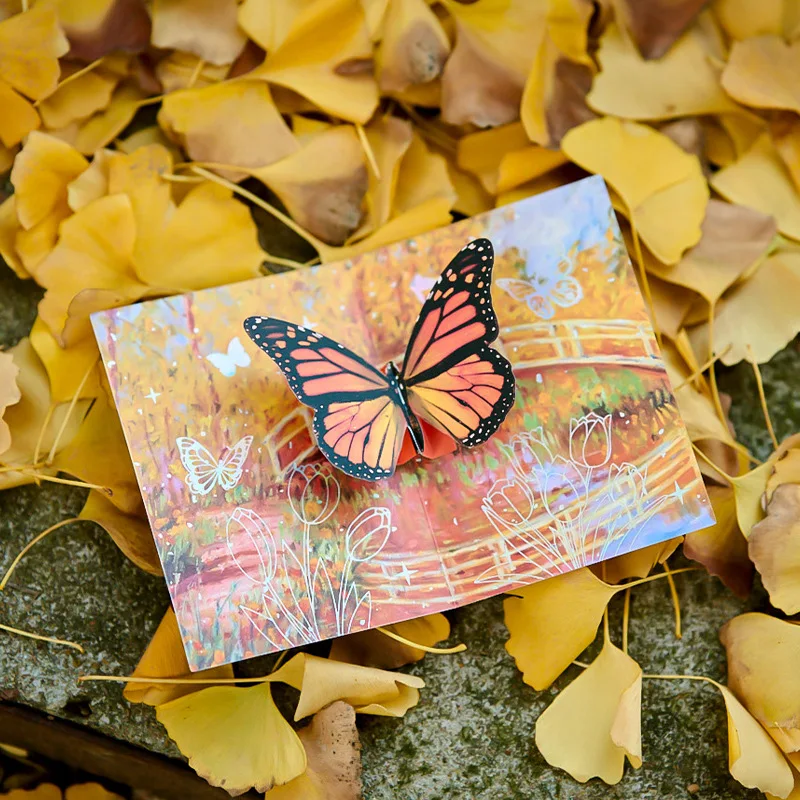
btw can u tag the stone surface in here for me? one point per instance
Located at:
(471, 736)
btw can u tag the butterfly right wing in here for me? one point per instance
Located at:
(202, 469)
(359, 423)
(232, 465)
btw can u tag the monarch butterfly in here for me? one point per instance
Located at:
(450, 379)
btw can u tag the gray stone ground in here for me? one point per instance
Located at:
(471, 737)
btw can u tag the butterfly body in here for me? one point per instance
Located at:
(450, 378)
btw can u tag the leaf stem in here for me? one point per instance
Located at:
(700, 370)
(31, 543)
(459, 648)
(637, 248)
(676, 603)
(626, 615)
(703, 457)
(762, 398)
(368, 151)
(40, 638)
(53, 479)
(72, 403)
(649, 578)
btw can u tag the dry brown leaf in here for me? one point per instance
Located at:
(199, 119)
(774, 548)
(374, 649)
(657, 25)
(99, 28)
(722, 549)
(539, 642)
(334, 758)
(207, 28)
(166, 658)
(763, 653)
(323, 184)
(595, 723)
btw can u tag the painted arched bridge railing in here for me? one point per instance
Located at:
(581, 341)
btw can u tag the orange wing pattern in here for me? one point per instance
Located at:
(453, 379)
(359, 423)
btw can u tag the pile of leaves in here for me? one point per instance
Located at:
(139, 138)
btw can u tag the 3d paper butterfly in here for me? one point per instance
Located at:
(203, 471)
(236, 356)
(450, 377)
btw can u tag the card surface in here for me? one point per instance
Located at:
(266, 546)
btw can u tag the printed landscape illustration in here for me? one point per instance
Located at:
(266, 546)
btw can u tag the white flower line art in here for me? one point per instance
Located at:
(288, 617)
(546, 286)
(204, 471)
(553, 510)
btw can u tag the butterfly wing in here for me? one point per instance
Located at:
(230, 468)
(453, 379)
(237, 354)
(359, 422)
(202, 469)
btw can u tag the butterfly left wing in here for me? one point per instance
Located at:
(453, 378)
(231, 466)
(359, 421)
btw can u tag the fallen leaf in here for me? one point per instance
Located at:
(595, 722)
(389, 138)
(321, 681)
(260, 749)
(414, 47)
(734, 240)
(662, 187)
(44, 791)
(671, 305)
(786, 470)
(19, 116)
(636, 564)
(91, 184)
(322, 36)
(785, 132)
(130, 532)
(374, 649)
(682, 83)
(100, 28)
(323, 184)
(199, 119)
(42, 171)
(760, 180)
(9, 395)
(78, 99)
(759, 73)
(763, 654)
(742, 19)
(207, 28)
(9, 229)
(105, 126)
(740, 330)
(423, 177)
(334, 758)
(89, 791)
(186, 71)
(166, 658)
(773, 548)
(482, 153)
(722, 549)
(657, 25)
(539, 642)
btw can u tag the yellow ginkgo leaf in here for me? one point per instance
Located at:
(595, 723)
(774, 547)
(786, 470)
(785, 131)
(324, 39)
(371, 691)
(741, 19)
(9, 395)
(414, 47)
(30, 45)
(67, 368)
(9, 229)
(323, 184)
(637, 563)
(682, 83)
(763, 654)
(671, 305)
(235, 737)
(130, 532)
(268, 26)
(471, 197)
(656, 25)
(209, 28)
(19, 116)
(91, 184)
(374, 649)
(541, 645)
(734, 240)
(186, 71)
(200, 120)
(89, 791)
(98, 454)
(101, 129)
(78, 99)
(760, 180)
(210, 239)
(26, 419)
(748, 490)
(44, 791)
(722, 549)
(760, 73)
(423, 177)
(42, 171)
(389, 138)
(741, 330)
(482, 153)
(656, 180)
(32, 246)
(166, 658)
(753, 758)
(334, 758)
(91, 263)
(102, 27)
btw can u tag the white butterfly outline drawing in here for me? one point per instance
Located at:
(547, 288)
(204, 472)
(236, 356)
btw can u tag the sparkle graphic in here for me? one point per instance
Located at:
(153, 395)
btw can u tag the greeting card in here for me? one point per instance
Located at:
(441, 442)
